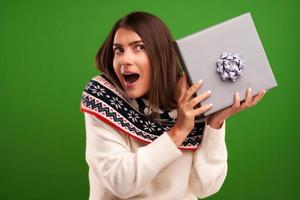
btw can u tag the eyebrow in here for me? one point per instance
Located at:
(130, 44)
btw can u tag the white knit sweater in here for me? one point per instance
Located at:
(121, 167)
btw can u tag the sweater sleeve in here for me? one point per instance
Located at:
(210, 163)
(123, 172)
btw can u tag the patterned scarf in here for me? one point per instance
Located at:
(132, 116)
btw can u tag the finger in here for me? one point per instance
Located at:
(258, 97)
(248, 99)
(237, 101)
(199, 98)
(203, 109)
(189, 93)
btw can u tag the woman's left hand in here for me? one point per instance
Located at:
(216, 120)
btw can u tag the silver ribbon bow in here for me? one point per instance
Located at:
(230, 66)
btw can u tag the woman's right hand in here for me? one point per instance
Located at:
(186, 111)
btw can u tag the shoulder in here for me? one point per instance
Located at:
(100, 132)
(95, 82)
(94, 121)
(95, 91)
(101, 98)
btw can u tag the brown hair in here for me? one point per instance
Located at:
(159, 47)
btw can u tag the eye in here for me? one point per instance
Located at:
(139, 47)
(118, 50)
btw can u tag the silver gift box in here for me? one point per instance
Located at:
(229, 58)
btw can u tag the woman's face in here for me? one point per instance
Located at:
(131, 63)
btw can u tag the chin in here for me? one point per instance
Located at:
(133, 95)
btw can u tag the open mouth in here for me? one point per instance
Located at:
(131, 78)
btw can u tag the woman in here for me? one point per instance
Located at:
(145, 139)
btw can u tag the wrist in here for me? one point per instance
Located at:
(176, 135)
(215, 124)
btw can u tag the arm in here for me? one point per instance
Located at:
(122, 172)
(210, 159)
(210, 163)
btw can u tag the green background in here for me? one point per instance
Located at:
(47, 50)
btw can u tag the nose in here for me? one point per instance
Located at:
(126, 58)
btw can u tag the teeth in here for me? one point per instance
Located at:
(122, 69)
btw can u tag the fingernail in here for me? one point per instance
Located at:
(208, 92)
(249, 89)
(200, 81)
(210, 104)
(237, 94)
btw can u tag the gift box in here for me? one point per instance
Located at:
(229, 58)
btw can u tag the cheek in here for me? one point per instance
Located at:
(115, 64)
(148, 74)
(148, 69)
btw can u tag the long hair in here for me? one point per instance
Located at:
(159, 47)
